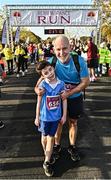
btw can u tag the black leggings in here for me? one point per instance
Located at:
(20, 64)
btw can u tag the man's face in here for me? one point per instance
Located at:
(62, 49)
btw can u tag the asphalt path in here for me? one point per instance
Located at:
(21, 154)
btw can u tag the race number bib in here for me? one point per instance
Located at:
(53, 102)
(70, 86)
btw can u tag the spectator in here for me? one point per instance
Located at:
(102, 56)
(92, 58)
(31, 52)
(9, 58)
(40, 52)
(20, 60)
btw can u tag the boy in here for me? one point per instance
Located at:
(48, 111)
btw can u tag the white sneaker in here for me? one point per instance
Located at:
(26, 70)
(90, 79)
(18, 75)
(23, 74)
(1, 80)
(94, 79)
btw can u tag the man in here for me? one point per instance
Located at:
(75, 83)
(92, 59)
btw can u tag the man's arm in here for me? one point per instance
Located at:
(83, 84)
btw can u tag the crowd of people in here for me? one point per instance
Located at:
(98, 59)
(66, 67)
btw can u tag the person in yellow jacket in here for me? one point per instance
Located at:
(40, 52)
(9, 58)
(102, 56)
(20, 53)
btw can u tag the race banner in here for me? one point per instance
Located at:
(4, 33)
(17, 35)
(48, 17)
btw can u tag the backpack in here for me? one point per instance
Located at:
(77, 65)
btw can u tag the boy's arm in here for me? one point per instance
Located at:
(37, 121)
(64, 116)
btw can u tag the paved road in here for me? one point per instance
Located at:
(21, 154)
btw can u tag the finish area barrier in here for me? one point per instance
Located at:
(62, 15)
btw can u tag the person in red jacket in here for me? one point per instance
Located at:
(92, 58)
(31, 52)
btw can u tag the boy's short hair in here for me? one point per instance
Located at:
(41, 65)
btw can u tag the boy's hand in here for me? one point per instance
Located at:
(39, 91)
(37, 122)
(63, 120)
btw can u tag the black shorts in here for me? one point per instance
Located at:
(93, 63)
(75, 107)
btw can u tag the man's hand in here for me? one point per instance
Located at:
(65, 94)
(63, 120)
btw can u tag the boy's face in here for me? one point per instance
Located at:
(48, 72)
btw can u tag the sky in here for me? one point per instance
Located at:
(2, 2)
(40, 31)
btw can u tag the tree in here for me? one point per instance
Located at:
(106, 31)
(105, 17)
(24, 33)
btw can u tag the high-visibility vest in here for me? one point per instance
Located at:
(108, 56)
(102, 55)
(40, 55)
(8, 53)
(19, 51)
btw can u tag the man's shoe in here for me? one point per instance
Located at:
(52, 159)
(1, 125)
(48, 169)
(74, 153)
(56, 151)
